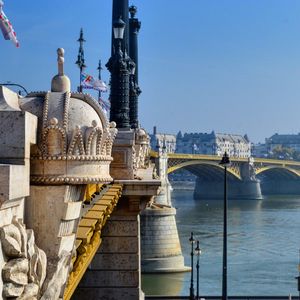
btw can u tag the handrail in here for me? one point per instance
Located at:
(15, 84)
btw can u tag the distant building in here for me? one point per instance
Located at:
(259, 150)
(213, 144)
(285, 140)
(163, 139)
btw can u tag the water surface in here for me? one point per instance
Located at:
(263, 246)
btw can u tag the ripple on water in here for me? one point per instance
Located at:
(263, 245)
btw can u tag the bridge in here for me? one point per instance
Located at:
(248, 177)
(192, 162)
(73, 186)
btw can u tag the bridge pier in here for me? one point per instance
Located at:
(281, 187)
(236, 189)
(115, 272)
(160, 245)
(247, 187)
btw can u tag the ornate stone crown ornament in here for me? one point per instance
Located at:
(74, 136)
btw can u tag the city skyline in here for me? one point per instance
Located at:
(227, 66)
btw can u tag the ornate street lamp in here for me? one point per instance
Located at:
(119, 27)
(119, 66)
(80, 59)
(134, 92)
(198, 253)
(192, 241)
(225, 162)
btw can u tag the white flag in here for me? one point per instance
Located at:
(89, 82)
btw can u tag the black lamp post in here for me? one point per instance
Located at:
(80, 58)
(119, 67)
(225, 162)
(99, 77)
(133, 99)
(134, 27)
(298, 277)
(298, 284)
(198, 253)
(192, 241)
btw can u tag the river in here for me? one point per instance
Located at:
(263, 246)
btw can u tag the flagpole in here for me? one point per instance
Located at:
(99, 76)
(80, 58)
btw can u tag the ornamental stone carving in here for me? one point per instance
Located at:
(53, 287)
(74, 135)
(24, 271)
(74, 139)
(54, 144)
(142, 149)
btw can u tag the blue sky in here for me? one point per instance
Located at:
(229, 66)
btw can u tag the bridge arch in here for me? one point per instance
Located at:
(200, 167)
(278, 172)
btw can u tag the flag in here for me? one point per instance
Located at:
(89, 82)
(6, 27)
(105, 105)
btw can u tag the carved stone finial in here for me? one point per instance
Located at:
(53, 121)
(60, 61)
(60, 82)
(112, 124)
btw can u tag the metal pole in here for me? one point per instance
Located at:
(99, 77)
(224, 277)
(192, 294)
(120, 9)
(80, 58)
(80, 75)
(119, 91)
(197, 267)
(134, 27)
(298, 277)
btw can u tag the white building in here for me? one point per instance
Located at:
(163, 139)
(214, 144)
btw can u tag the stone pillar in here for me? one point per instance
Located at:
(248, 187)
(237, 189)
(115, 271)
(18, 250)
(123, 152)
(289, 186)
(53, 213)
(161, 250)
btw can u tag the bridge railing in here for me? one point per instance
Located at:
(154, 154)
